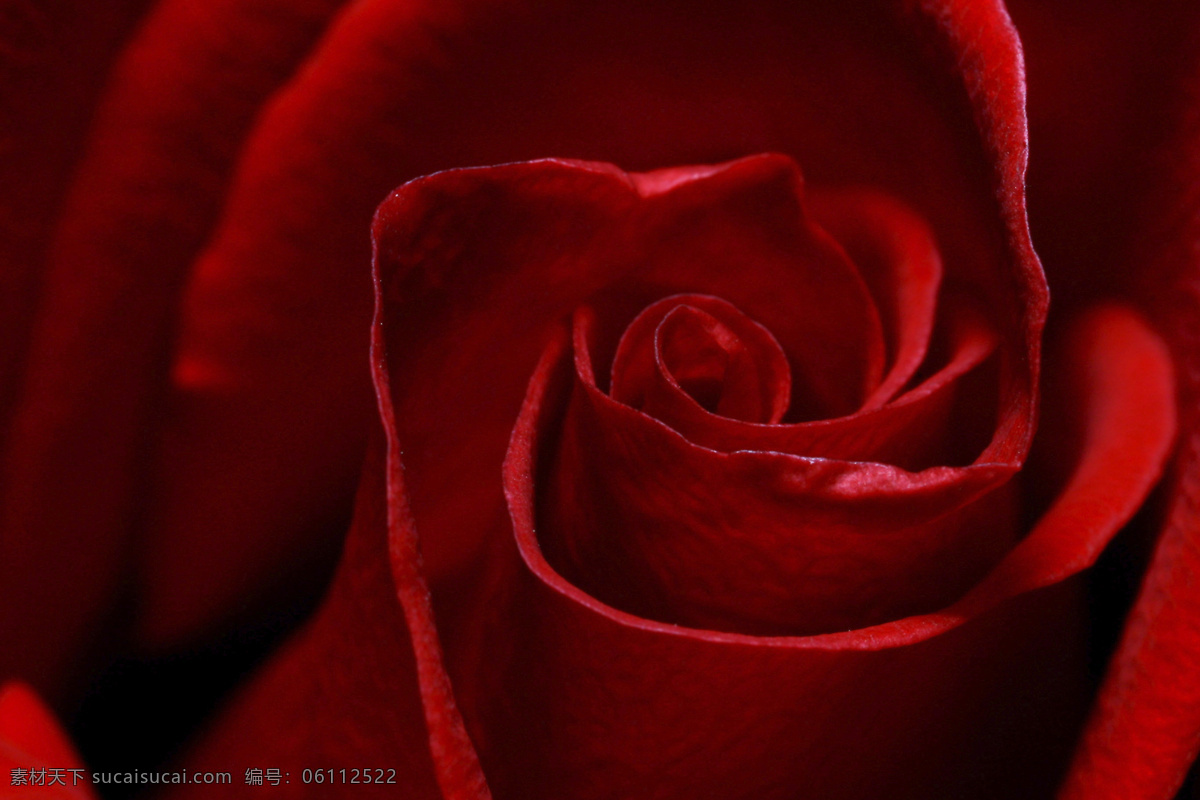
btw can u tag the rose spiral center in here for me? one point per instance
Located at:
(693, 492)
(700, 349)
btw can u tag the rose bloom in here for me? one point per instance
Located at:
(640, 400)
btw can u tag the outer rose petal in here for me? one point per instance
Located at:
(61, 51)
(147, 189)
(1101, 99)
(31, 739)
(1145, 728)
(53, 58)
(356, 686)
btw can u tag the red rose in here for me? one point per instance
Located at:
(763, 524)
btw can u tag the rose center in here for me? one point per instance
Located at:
(702, 350)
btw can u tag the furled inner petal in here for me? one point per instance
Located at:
(755, 541)
(922, 427)
(703, 350)
(898, 258)
(745, 237)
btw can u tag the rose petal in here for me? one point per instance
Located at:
(46, 101)
(30, 738)
(1100, 101)
(1144, 732)
(243, 475)
(53, 58)
(139, 208)
(182, 99)
(811, 297)
(1121, 374)
(898, 257)
(345, 690)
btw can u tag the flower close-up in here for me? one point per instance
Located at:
(547, 401)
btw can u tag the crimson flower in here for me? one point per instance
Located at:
(683, 477)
